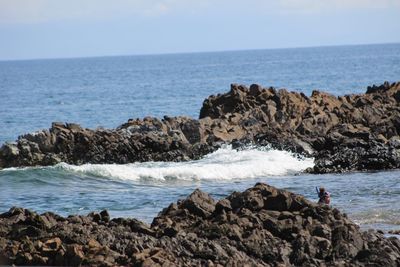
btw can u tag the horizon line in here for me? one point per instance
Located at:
(196, 52)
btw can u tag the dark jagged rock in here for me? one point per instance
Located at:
(394, 232)
(345, 133)
(262, 226)
(150, 139)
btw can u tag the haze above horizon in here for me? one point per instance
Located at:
(35, 29)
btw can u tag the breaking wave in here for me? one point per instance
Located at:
(224, 164)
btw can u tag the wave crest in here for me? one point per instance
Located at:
(224, 164)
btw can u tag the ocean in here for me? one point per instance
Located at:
(107, 91)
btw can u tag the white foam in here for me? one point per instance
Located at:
(377, 216)
(224, 164)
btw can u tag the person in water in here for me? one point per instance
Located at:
(324, 196)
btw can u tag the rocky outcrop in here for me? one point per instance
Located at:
(150, 139)
(345, 133)
(262, 226)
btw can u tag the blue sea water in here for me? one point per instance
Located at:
(107, 91)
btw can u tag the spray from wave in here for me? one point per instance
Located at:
(224, 164)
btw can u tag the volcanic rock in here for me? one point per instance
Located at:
(347, 133)
(263, 226)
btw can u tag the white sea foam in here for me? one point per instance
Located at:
(224, 164)
(377, 216)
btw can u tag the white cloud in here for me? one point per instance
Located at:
(327, 5)
(33, 11)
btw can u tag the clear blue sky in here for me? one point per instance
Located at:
(81, 28)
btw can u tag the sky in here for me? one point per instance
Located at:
(31, 29)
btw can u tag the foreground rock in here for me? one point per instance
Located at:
(262, 226)
(346, 133)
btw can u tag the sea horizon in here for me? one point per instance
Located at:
(200, 52)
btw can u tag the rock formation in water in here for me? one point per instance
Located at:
(262, 226)
(352, 132)
(345, 133)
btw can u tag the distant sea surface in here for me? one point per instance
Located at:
(107, 91)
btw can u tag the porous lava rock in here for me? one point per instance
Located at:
(262, 226)
(347, 133)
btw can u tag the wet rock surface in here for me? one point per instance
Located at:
(262, 226)
(345, 133)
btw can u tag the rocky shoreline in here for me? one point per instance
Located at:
(262, 226)
(346, 133)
